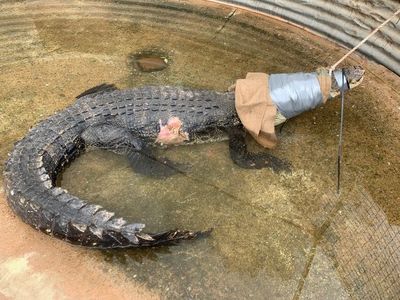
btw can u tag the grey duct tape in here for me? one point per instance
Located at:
(296, 93)
(339, 80)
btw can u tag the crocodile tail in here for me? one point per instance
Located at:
(59, 214)
(142, 239)
(93, 226)
(89, 225)
(177, 235)
(132, 236)
(32, 194)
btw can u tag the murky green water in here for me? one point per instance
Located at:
(275, 235)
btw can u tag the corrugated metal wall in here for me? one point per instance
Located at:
(345, 21)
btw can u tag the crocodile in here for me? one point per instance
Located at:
(132, 122)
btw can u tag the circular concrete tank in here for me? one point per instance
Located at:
(276, 235)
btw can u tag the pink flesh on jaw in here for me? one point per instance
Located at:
(172, 133)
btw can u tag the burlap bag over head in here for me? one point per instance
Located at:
(325, 83)
(257, 110)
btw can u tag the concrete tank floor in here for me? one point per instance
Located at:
(304, 242)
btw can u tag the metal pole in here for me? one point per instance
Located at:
(340, 147)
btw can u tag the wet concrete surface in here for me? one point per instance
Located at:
(36, 266)
(273, 236)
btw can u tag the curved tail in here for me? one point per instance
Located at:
(55, 212)
(30, 174)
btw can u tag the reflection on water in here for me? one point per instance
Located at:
(275, 235)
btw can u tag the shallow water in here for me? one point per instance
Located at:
(275, 235)
(256, 242)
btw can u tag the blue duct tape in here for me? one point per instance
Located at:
(295, 93)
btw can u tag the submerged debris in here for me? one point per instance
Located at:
(149, 61)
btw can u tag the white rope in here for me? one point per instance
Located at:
(333, 67)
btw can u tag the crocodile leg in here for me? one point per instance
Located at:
(144, 161)
(110, 137)
(245, 159)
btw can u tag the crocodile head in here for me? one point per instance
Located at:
(354, 76)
